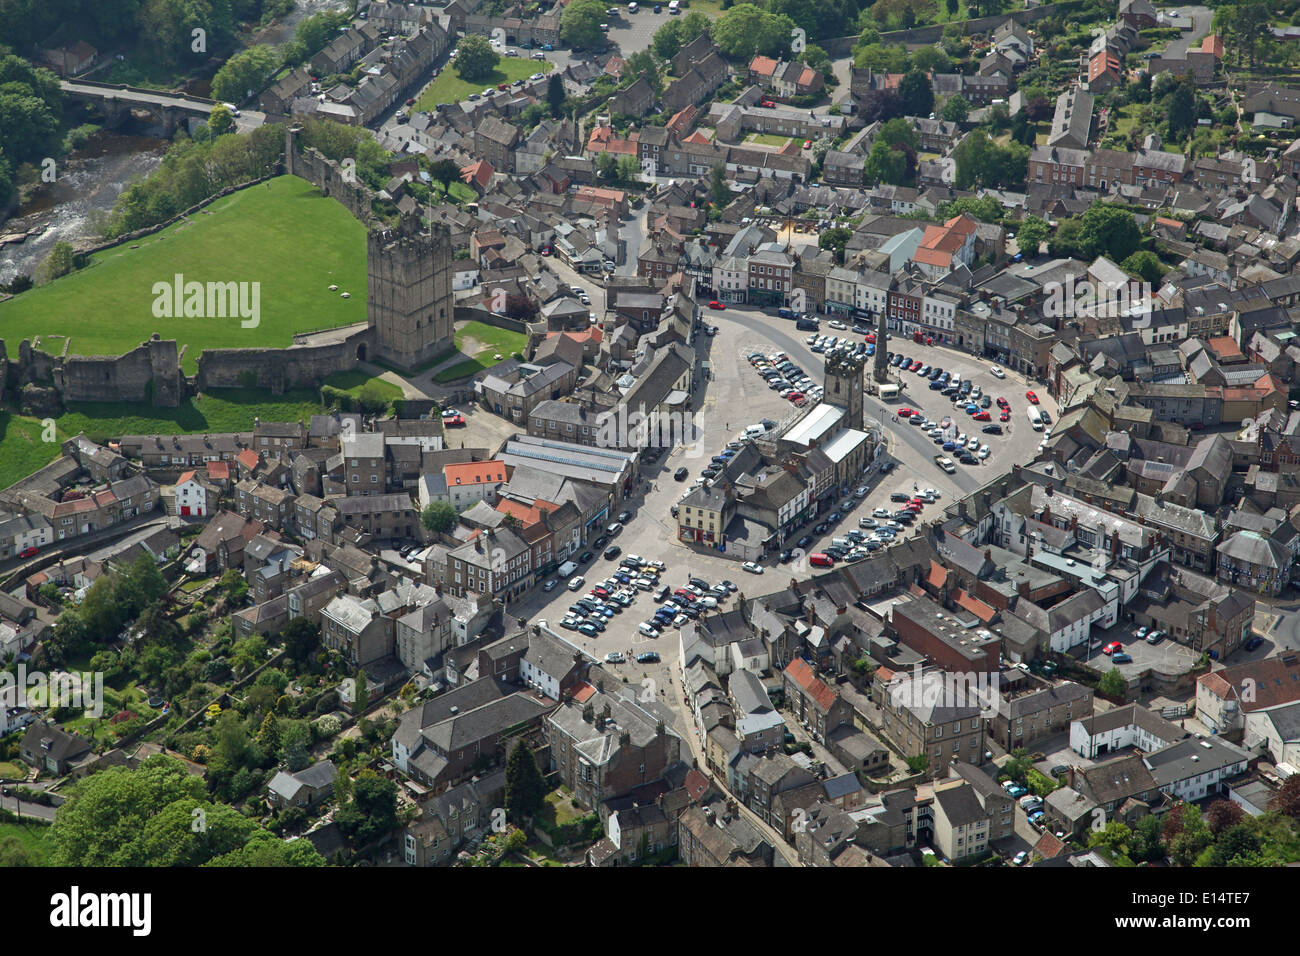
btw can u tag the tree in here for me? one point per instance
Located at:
(1222, 814)
(628, 171)
(244, 73)
(438, 516)
(301, 639)
(220, 121)
(643, 63)
(746, 30)
(607, 166)
(931, 59)
(555, 95)
(1115, 836)
(1113, 684)
(234, 584)
(61, 261)
(1287, 800)
(886, 164)
(475, 58)
(1018, 766)
(1145, 265)
(719, 188)
(837, 239)
(14, 853)
(1180, 107)
(525, 788)
(372, 811)
(956, 109)
(156, 815)
(580, 23)
(361, 692)
(1031, 235)
(1111, 231)
(951, 7)
(1147, 846)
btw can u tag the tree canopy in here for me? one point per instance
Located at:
(475, 58)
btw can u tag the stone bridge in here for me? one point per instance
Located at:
(117, 101)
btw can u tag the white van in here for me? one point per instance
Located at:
(753, 431)
(567, 568)
(674, 8)
(1035, 421)
(631, 8)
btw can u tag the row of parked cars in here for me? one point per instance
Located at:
(832, 344)
(589, 614)
(782, 375)
(685, 604)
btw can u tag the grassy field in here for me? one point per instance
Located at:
(767, 139)
(284, 235)
(354, 382)
(13, 770)
(223, 410)
(483, 343)
(450, 88)
(34, 838)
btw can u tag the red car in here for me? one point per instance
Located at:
(1003, 403)
(766, 104)
(1005, 416)
(29, 552)
(1032, 397)
(795, 396)
(715, 304)
(453, 421)
(1112, 647)
(870, 338)
(820, 560)
(982, 416)
(906, 412)
(600, 591)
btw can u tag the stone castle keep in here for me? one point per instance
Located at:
(409, 321)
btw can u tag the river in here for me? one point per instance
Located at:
(88, 183)
(90, 179)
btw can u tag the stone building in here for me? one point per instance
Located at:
(410, 306)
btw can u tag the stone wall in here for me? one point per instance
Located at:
(150, 372)
(328, 176)
(279, 370)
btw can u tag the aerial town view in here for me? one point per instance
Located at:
(593, 434)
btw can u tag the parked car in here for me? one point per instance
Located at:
(648, 657)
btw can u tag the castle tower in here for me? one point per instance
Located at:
(880, 368)
(410, 304)
(844, 388)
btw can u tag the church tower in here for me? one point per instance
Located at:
(843, 388)
(410, 304)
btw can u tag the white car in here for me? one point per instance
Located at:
(614, 657)
(961, 440)
(575, 584)
(997, 372)
(984, 453)
(837, 325)
(752, 568)
(709, 602)
(647, 630)
(932, 492)
(1019, 858)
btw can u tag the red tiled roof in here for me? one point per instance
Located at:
(583, 692)
(973, 604)
(763, 65)
(185, 476)
(248, 458)
(938, 575)
(474, 473)
(813, 686)
(218, 469)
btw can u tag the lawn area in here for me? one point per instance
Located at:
(13, 771)
(284, 235)
(450, 88)
(354, 382)
(767, 139)
(34, 838)
(483, 343)
(220, 410)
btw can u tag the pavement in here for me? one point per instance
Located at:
(25, 809)
(1201, 18)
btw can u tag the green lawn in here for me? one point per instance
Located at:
(221, 410)
(354, 382)
(483, 343)
(450, 88)
(284, 235)
(767, 139)
(35, 839)
(13, 770)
